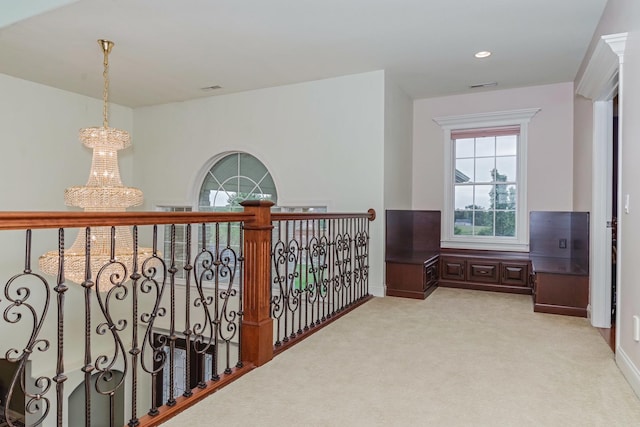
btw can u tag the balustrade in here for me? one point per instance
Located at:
(145, 336)
(320, 268)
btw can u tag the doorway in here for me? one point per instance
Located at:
(602, 83)
(99, 404)
(608, 331)
(614, 214)
(610, 334)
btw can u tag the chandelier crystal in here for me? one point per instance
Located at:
(104, 192)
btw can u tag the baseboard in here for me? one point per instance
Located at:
(559, 309)
(377, 291)
(485, 287)
(629, 370)
(410, 294)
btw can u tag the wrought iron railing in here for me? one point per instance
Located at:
(320, 269)
(136, 343)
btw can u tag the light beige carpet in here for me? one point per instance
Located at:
(458, 358)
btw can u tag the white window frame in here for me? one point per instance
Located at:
(213, 162)
(448, 124)
(162, 234)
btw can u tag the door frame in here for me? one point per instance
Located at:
(601, 81)
(601, 213)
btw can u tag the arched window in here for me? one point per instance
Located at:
(235, 178)
(232, 178)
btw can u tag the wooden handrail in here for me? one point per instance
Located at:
(285, 216)
(22, 220)
(35, 220)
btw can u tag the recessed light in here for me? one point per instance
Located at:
(214, 87)
(483, 54)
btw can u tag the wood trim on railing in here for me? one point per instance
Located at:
(61, 219)
(284, 216)
(183, 403)
(35, 220)
(316, 328)
(257, 324)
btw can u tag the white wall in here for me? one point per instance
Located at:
(624, 16)
(398, 147)
(41, 156)
(550, 142)
(20, 10)
(582, 153)
(629, 304)
(40, 148)
(322, 141)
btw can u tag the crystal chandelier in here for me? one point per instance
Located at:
(104, 192)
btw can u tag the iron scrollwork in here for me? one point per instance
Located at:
(153, 283)
(228, 317)
(320, 267)
(19, 291)
(287, 300)
(205, 330)
(116, 273)
(361, 257)
(342, 278)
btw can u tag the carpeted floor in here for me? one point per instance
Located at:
(458, 358)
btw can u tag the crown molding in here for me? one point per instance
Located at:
(601, 74)
(497, 118)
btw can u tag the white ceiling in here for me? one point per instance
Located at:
(167, 50)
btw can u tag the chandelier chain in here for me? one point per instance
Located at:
(105, 92)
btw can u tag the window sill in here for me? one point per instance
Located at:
(490, 246)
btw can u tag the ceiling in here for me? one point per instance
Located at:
(168, 50)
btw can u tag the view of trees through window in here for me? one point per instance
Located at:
(485, 189)
(233, 179)
(180, 241)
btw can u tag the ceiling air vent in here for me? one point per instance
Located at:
(479, 85)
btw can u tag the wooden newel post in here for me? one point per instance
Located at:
(257, 325)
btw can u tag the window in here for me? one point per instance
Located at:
(485, 180)
(486, 186)
(300, 209)
(233, 179)
(180, 242)
(201, 366)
